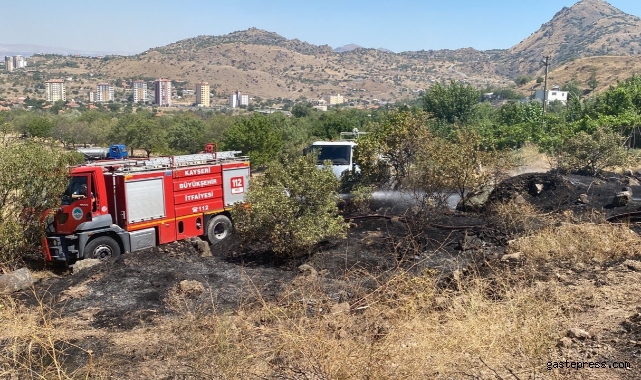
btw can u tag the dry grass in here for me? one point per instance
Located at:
(518, 218)
(489, 324)
(580, 243)
(33, 347)
(407, 327)
(530, 160)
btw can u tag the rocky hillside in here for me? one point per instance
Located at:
(588, 28)
(268, 65)
(253, 36)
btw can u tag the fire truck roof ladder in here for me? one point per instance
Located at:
(182, 161)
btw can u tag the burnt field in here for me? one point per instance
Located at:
(139, 308)
(131, 288)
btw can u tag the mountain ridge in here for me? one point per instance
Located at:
(31, 49)
(587, 28)
(269, 65)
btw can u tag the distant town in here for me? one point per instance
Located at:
(161, 93)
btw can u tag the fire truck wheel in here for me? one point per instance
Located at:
(103, 248)
(218, 229)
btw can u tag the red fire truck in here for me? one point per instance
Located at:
(111, 206)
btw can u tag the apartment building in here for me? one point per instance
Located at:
(139, 88)
(238, 99)
(162, 96)
(8, 63)
(15, 62)
(243, 99)
(104, 92)
(55, 90)
(333, 100)
(202, 94)
(19, 62)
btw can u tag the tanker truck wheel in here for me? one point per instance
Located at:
(102, 248)
(218, 229)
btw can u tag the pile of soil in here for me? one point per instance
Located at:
(547, 192)
(555, 193)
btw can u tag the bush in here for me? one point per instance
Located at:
(590, 154)
(387, 154)
(522, 80)
(460, 165)
(32, 177)
(293, 206)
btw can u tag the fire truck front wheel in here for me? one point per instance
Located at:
(102, 248)
(218, 229)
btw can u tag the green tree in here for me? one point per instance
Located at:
(461, 165)
(514, 113)
(330, 124)
(186, 134)
(572, 87)
(57, 106)
(32, 177)
(522, 80)
(141, 130)
(6, 126)
(216, 125)
(122, 132)
(148, 135)
(97, 132)
(593, 83)
(259, 137)
(398, 139)
(625, 96)
(114, 107)
(303, 109)
(293, 206)
(591, 153)
(295, 135)
(40, 127)
(453, 103)
(516, 124)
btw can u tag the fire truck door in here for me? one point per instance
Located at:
(76, 204)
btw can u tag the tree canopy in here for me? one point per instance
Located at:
(453, 103)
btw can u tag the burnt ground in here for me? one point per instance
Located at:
(133, 290)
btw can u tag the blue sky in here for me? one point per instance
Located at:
(401, 25)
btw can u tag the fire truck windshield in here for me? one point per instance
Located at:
(76, 187)
(338, 154)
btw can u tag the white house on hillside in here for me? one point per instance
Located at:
(554, 94)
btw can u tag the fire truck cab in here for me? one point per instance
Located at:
(111, 207)
(340, 153)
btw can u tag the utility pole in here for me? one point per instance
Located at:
(545, 84)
